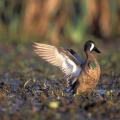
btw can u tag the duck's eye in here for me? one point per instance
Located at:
(92, 46)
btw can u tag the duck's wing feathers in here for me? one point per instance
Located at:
(76, 57)
(57, 58)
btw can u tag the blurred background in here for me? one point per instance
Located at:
(30, 88)
(56, 20)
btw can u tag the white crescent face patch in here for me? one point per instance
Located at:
(92, 46)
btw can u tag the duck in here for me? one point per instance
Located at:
(82, 76)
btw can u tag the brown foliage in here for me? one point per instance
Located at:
(38, 15)
(99, 16)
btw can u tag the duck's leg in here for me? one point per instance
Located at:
(74, 86)
(71, 81)
(71, 85)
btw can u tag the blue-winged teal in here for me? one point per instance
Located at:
(82, 76)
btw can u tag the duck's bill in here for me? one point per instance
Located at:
(96, 50)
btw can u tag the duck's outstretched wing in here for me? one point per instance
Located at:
(57, 58)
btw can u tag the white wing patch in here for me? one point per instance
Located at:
(70, 68)
(75, 68)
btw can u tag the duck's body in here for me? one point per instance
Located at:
(89, 75)
(81, 76)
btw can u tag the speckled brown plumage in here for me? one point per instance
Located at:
(82, 76)
(89, 76)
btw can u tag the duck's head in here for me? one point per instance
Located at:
(91, 47)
